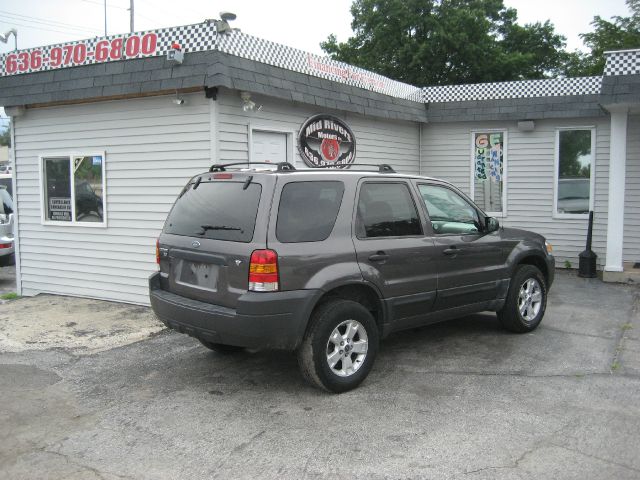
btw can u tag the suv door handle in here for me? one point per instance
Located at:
(379, 257)
(451, 251)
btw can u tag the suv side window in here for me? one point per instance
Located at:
(386, 210)
(308, 211)
(448, 211)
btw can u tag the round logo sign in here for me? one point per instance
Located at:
(326, 141)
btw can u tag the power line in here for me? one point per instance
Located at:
(102, 4)
(24, 25)
(11, 18)
(55, 23)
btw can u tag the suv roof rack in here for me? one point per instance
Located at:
(382, 167)
(281, 166)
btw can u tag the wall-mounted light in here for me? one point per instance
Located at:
(526, 125)
(175, 55)
(4, 37)
(248, 105)
(178, 100)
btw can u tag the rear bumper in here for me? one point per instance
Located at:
(262, 320)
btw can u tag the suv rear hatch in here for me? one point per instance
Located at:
(216, 223)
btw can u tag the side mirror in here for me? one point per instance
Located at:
(492, 224)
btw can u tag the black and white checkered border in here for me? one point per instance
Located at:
(264, 51)
(625, 62)
(553, 87)
(192, 38)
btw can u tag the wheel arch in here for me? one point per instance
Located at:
(537, 261)
(363, 293)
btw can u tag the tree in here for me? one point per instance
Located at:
(429, 42)
(618, 34)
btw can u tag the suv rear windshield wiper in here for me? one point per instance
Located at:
(216, 227)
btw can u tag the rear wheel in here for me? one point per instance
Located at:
(526, 301)
(220, 347)
(340, 346)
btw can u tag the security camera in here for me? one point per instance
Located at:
(178, 101)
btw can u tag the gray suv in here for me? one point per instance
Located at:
(327, 262)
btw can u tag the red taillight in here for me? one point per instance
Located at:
(263, 271)
(158, 252)
(222, 176)
(6, 245)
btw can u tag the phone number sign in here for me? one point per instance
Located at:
(107, 49)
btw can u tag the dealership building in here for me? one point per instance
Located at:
(107, 131)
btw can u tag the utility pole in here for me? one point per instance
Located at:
(105, 18)
(131, 13)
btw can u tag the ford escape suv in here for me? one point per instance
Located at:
(327, 262)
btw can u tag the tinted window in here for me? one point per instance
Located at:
(6, 203)
(448, 211)
(386, 210)
(217, 210)
(308, 211)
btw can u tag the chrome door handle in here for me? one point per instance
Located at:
(451, 251)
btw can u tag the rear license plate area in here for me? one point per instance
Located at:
(195, 274)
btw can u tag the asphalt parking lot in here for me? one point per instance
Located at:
(458, 400)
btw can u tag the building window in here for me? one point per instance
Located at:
(574, 171)
(489, 171)
(73, 189)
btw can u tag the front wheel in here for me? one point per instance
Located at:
(340, 346)
(526, 300)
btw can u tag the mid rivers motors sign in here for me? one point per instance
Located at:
(326, 141)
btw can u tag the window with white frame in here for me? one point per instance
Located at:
(574, 179)
(488, 184)
(73, 189)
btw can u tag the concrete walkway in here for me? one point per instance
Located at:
(458, 400)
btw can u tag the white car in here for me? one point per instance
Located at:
(7, 251)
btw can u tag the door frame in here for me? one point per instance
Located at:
(260, 127)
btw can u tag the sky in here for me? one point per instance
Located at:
(299, 23)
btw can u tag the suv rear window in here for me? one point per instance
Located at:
(216, 210)
(308, 211)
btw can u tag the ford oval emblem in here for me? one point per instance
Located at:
(195, 244)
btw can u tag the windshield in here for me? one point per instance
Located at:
(216, 210)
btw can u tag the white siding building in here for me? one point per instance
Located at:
(133, 131)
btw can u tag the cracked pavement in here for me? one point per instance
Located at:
(459, 400)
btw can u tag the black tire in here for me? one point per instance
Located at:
(312, 354)
(510, 316)
(220, 347)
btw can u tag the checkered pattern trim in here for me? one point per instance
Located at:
(192, 38)
(622, 63)
(554, 87)
(264, 51)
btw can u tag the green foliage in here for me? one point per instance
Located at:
(429, 42)
(9, 296)
(5, 136)
(573, 145)
(567, 264)
(619, 33)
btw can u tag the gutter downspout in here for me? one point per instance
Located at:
(16, 224)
